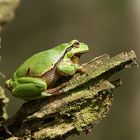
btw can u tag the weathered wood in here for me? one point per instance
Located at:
(85, 101)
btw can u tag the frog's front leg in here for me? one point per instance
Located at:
(29, 88)
(80, 69)
(67, 68)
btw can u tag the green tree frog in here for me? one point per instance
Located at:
(33, 78)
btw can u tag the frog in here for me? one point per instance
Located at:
(34, 78)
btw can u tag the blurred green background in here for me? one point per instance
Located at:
(107, 26)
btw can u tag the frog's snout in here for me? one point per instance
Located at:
(8, 84)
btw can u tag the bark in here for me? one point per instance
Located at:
(84, 102)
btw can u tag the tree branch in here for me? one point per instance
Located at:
(85, 101)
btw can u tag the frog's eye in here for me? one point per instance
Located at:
(76, 44)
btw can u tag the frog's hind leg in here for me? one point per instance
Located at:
(29, 88)
(54, 91)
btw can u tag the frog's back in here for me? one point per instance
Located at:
(41, 62)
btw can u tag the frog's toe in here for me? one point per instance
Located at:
(45, 94)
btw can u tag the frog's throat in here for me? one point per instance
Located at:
(75, 59)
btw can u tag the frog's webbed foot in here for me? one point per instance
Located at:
(55, 90)
(81, 69)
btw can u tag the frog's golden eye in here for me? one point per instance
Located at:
(76, 44)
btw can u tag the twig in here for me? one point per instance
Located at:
(7, 11)
(3, 103)
(85, 100)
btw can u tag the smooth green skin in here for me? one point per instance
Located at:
(27, 82)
